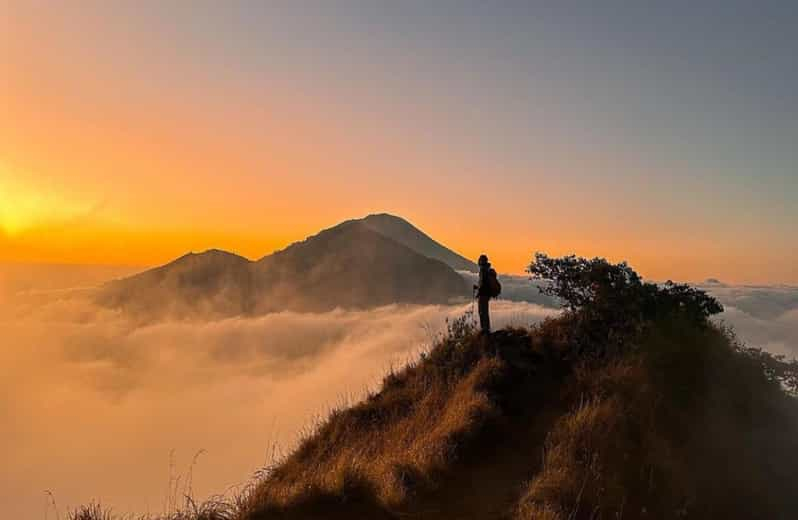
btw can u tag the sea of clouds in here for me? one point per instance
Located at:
(762, 316)
(92, 403)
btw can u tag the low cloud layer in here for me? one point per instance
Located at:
(91, 403)
(762, 316)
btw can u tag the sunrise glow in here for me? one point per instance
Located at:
(128, 137)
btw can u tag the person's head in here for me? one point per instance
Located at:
(483, 260)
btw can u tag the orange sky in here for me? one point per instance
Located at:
(125, 142)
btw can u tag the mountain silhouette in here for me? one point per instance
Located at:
(351, 265)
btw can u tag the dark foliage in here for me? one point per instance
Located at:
(611, 304)
(598, 285)
(777, 368)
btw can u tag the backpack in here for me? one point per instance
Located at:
(494, 287)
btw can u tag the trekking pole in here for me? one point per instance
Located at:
(473, 306)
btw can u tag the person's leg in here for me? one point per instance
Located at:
(484, 315)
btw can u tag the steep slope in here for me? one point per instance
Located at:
(511, 427)
(407, 234)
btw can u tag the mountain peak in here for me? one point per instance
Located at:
(372, 217)
(402, 231)
(208, 257)
(213, 253)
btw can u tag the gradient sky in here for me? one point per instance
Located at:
(133, 132)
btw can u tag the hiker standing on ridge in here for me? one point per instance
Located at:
(487, 288)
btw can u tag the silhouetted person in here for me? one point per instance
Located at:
(487, 288)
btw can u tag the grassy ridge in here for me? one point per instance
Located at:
(685, 425)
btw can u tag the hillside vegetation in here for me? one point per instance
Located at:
(631, 404)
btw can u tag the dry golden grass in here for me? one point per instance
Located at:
(210, 510)
(396, 443)
(578, 476)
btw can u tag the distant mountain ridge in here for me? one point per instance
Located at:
(356, 264)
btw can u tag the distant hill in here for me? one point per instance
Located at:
(350, 265)
(212, 284)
